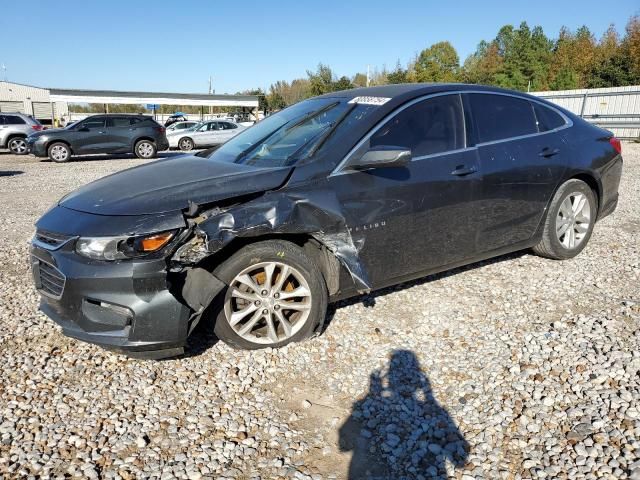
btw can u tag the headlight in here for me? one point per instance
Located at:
(117, 248)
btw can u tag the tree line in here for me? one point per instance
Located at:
(519, 58)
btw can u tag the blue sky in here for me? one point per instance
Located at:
(175, 45)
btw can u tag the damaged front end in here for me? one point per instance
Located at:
(316, 215)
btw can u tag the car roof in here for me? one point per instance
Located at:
(409, 90)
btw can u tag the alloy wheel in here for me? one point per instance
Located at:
(145, 149)
(18, 146)
(185, 144)
(268, 302)
(59, 153)
(573, 220)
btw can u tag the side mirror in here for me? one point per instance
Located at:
(83, 129)
(383, 156)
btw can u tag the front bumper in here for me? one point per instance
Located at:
(125, 306)
(37, 147)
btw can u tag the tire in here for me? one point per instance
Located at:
(59, 152)
(145, 149)
(251, 262)
(18, 146)
(562, 217)
(185, 144)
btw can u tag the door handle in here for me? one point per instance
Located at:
(548, 152)
(462, 170)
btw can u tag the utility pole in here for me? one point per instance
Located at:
(4, 72)
(368, 75)
(210, 92)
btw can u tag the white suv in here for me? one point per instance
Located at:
(14, 129)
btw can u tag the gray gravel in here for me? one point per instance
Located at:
(519, 367)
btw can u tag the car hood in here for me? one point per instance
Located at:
(172, 184)
(48, 131)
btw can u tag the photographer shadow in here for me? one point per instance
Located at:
(399, 430)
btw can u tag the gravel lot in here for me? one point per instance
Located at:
(519, 367)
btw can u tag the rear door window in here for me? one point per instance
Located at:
(432, 126)
(546, 118)
(13, 120)
(228, 126)
(117, 122)
(500, 117)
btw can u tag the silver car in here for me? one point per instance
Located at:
(14, 129)
(205, 134)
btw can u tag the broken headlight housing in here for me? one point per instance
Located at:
(118, 248)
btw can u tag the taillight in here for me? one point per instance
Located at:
(161, 129)
(37, 128)
(615, 143)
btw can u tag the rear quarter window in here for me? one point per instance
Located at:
(13, 120)
(546, 118)
(500, 117)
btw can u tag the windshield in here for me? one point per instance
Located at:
(285, 137)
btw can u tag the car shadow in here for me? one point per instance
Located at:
(398, 429)
(10, 173)
(369, 300)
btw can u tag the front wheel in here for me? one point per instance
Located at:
(569, 222)
(18, 146)
(275, 295)
(145, 149)
(59, 152)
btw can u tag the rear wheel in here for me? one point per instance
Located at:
(18, 146)
(145, 149)
(569, 222)
(275, 296)
(185, 144)
(59, 152)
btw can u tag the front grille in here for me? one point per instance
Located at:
(49, 280)
(50, 239)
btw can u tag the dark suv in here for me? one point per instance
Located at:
(101, 134)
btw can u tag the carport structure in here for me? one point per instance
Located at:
(247, 104)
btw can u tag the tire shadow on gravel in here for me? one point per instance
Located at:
(369, 300)
(399, 430)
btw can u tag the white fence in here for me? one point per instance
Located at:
(616, 109)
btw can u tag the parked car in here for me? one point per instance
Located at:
(174, 127)
(175, 118)
(334, 196)
(117, 133)
(205, 134)
(14, 129)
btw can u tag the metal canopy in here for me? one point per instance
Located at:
(121, 97)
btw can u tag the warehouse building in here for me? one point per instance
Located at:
(47, 104)
(35, 101)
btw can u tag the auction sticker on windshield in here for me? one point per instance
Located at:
(370, 100)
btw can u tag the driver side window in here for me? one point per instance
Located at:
(92, 123)
(429, 127)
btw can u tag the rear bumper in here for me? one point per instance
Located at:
(162, 144)
(610, 179)
(124, 306)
